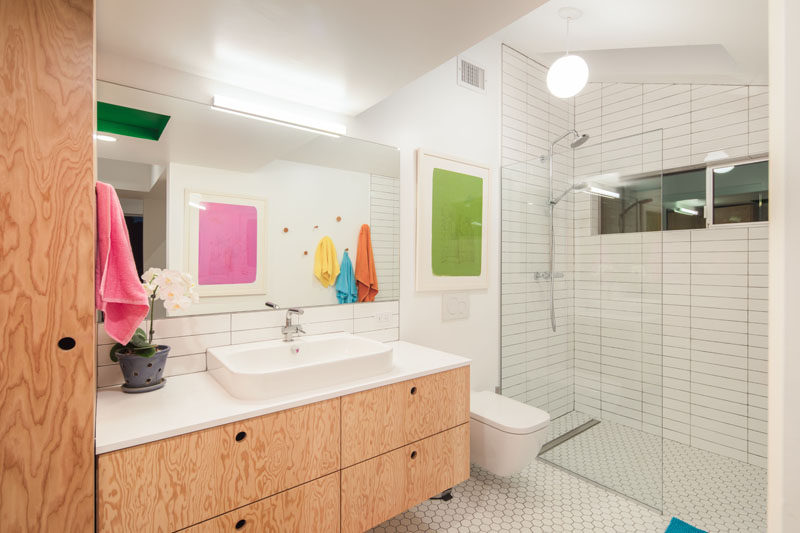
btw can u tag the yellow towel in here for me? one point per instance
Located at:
(326, 264)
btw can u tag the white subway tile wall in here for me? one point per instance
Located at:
(384, 206)
(190, 337)
(661, 331)
(537, 363)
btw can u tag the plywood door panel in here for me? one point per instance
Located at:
(372, 422)
(309, 508)
(383, 419)
(375, 490)
(437, 463)
(177, 482)
(47, 240)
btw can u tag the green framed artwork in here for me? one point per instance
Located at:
(452, 215)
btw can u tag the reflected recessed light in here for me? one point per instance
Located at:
(722, 170)
(687, 211)
(106, 138)
(197, 206)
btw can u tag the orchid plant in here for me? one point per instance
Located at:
(178, 292)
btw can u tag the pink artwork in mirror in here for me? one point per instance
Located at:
(227, 244)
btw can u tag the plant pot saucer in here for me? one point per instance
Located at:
(148, 388)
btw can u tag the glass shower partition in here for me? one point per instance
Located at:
(599, 375)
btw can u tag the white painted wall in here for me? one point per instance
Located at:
(784, 258)
(299, 197)
(436, 114)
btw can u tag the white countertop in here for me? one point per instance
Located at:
(196, 401)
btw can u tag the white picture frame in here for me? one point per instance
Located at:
(193, 199)
(426, 280)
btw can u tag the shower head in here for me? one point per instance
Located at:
(579, 140)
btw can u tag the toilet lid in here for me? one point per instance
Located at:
(506, 414)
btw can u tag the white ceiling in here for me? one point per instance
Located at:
(658, 41)
(341, 56)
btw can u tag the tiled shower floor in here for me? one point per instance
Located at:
(712, 492)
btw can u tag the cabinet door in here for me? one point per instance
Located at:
(383, 419)
(375, 490)
(309, 508)
(180, 481)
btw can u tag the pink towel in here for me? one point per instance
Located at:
(118, 291)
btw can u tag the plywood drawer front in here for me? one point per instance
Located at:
(174, 483)
(309, 508)
(383, 419)
(436, 402)
(375, 490)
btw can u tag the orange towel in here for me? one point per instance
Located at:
(366, 279)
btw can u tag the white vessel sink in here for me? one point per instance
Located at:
(263, 370)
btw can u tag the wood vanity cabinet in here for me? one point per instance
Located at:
(347, 463)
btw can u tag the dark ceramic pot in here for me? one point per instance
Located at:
(143, 373)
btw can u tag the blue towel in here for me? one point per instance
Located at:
(679, 526)
(346, 289)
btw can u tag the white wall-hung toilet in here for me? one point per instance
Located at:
(505, 435)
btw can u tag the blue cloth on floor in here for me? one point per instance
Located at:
(679, 526)
(346, 289)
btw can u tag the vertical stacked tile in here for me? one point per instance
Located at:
(587, 256)
(758, 120)
(668, 107)
(719, 121)
(515, 197)
(652, 344)
(719, 341)
(757, 318)
(537, 364)
(676, 324)
(588, 368)
(560, 349)
(384, 206)
(621, 328)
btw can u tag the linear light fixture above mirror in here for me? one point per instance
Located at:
(277, 116)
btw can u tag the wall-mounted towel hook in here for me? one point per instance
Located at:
(338, 219)
(316, 227)
(347, 249)
(286, 230)
(305, 252)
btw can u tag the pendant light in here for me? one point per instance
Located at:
(568, 75)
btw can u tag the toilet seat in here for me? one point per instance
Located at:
(506, 414)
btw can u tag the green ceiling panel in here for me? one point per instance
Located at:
(129, 121)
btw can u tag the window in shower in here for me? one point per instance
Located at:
(685, 199)
(740, 192)
(638, 207)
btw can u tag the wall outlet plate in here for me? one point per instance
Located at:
(384, 317)
(455, 306)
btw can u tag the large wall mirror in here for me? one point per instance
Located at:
(242, 204)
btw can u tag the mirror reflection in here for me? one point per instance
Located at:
(255, 211)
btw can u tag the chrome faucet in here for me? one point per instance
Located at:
(291, 329)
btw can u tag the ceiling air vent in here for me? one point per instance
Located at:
(471, 75)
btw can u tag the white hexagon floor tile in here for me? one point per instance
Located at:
(712, 492)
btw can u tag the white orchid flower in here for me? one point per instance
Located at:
(181, 303)
(150, 274)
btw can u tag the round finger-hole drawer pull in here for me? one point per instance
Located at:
(413, 390)
(240, 437)
(414, 454)
(240, 524)
(66, 343)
